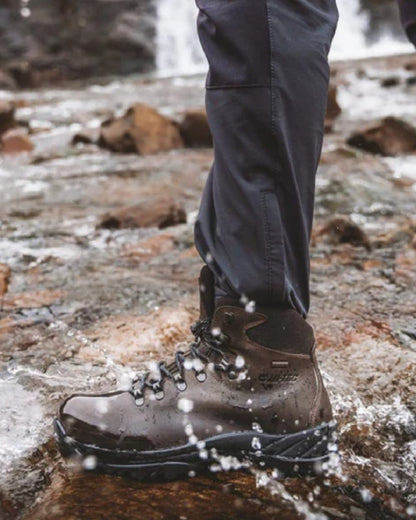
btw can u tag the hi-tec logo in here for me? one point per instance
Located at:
(286, 377)
(282, 375)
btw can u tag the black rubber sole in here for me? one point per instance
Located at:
(297, 454)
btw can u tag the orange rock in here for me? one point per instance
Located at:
(158, 212)
(32, 299)
(132, 339)
(141, 130)
(16, 141)
(5, 273)
(149, 247)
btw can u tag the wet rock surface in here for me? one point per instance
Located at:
(83, 307)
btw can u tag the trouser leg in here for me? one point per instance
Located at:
(266, 99)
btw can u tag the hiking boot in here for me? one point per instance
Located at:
(248, 390)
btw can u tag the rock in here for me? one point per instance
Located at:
(159, 212)
(333, 109)
(149, 247)
(341, 230)
(32, 299)
(16, 141)
(5, 273)
(7, 121)
(22, 74)
(85, 136)
(382, 17)
(411, 81)
(142, 130)
(160, 331)
(390, 136)
(390, 81)
(195, 129)
(68, 39)
(6, 81)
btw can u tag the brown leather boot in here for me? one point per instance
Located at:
(248, 390)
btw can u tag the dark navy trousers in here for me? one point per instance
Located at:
(266, 94)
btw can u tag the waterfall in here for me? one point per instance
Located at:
(179, 50)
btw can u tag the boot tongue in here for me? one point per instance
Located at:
(206, 293)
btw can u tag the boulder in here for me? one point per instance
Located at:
(70, 39)
(333, 109)
(5, 273)
(159, 212)
(194, 129)
(382, 18)
(16, 141)
(341, 230)
(390, 136)
(140, 130)
(85, 136)
(6, 81)
(6, 116)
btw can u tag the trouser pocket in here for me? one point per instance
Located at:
(235, 37)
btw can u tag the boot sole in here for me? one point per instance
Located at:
(297, 454)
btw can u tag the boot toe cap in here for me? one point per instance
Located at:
(103, 421)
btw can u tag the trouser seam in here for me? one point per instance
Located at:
(273, 106)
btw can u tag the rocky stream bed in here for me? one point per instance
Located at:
(98, 274)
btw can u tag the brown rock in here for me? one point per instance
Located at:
(149, 247)
(341, 230)
(159, 212)
(5, 273)
(6, 81)
(16, 141)
(390, 136)
(390, 81)
(32, 299)
(333, 109)
(142, 130)
(85, 136)
(6, 116)
(22, 73)
(160, 332)
(195, 129)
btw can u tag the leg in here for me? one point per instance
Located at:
(251, 376)
(266, 99)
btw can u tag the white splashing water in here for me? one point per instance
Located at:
(21, 418)
(179, 51)
(178, 47)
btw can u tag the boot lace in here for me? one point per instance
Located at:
(213, 346)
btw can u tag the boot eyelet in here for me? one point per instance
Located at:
(180, 383)
(201, 376)
(159, 395)
(223, 365)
